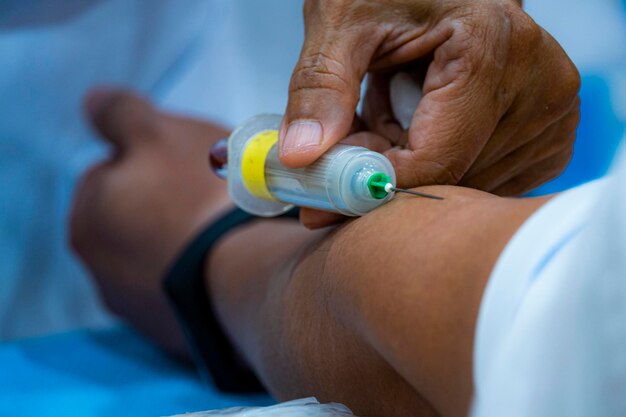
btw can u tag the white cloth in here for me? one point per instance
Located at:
(220, 59)
(551, 333)
(305, 407)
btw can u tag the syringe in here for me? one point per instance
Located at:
(350, 180)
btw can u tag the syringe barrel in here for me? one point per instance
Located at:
(337, 181)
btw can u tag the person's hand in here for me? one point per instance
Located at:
(133, 213)
(500, 97)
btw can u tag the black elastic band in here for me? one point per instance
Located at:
(185, 286)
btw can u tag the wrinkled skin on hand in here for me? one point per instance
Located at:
(500, 97)
(134, 212)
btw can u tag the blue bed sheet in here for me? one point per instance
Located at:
(112, 372)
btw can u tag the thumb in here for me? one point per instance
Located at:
(323, 93)
(120, 117)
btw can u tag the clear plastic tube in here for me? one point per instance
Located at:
(338, 181)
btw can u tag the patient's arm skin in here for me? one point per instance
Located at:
(378, 314)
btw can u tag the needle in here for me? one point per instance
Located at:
(389, 188)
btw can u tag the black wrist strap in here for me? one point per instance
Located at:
(184, 284)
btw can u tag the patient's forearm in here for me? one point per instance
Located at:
(380, 314)
(275, 308)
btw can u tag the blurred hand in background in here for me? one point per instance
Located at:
(135, 211)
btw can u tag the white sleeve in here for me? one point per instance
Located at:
(551, 333)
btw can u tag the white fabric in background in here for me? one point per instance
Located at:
(552, 326)
(222, 59)
(551, 332)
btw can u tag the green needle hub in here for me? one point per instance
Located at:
(376, 185)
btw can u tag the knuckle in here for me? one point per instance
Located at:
(146, 127)
(538, 47)
(320, 72)
(143, 127)
(565, 89)
(474, 48)
(524, 34)
(567, 71)
(118, 107)
(557, 80)
(462, 52)
(572, 80)
(131, 117)
(527, 32)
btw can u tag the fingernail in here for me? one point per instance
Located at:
(98, 98)
(301, 134)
